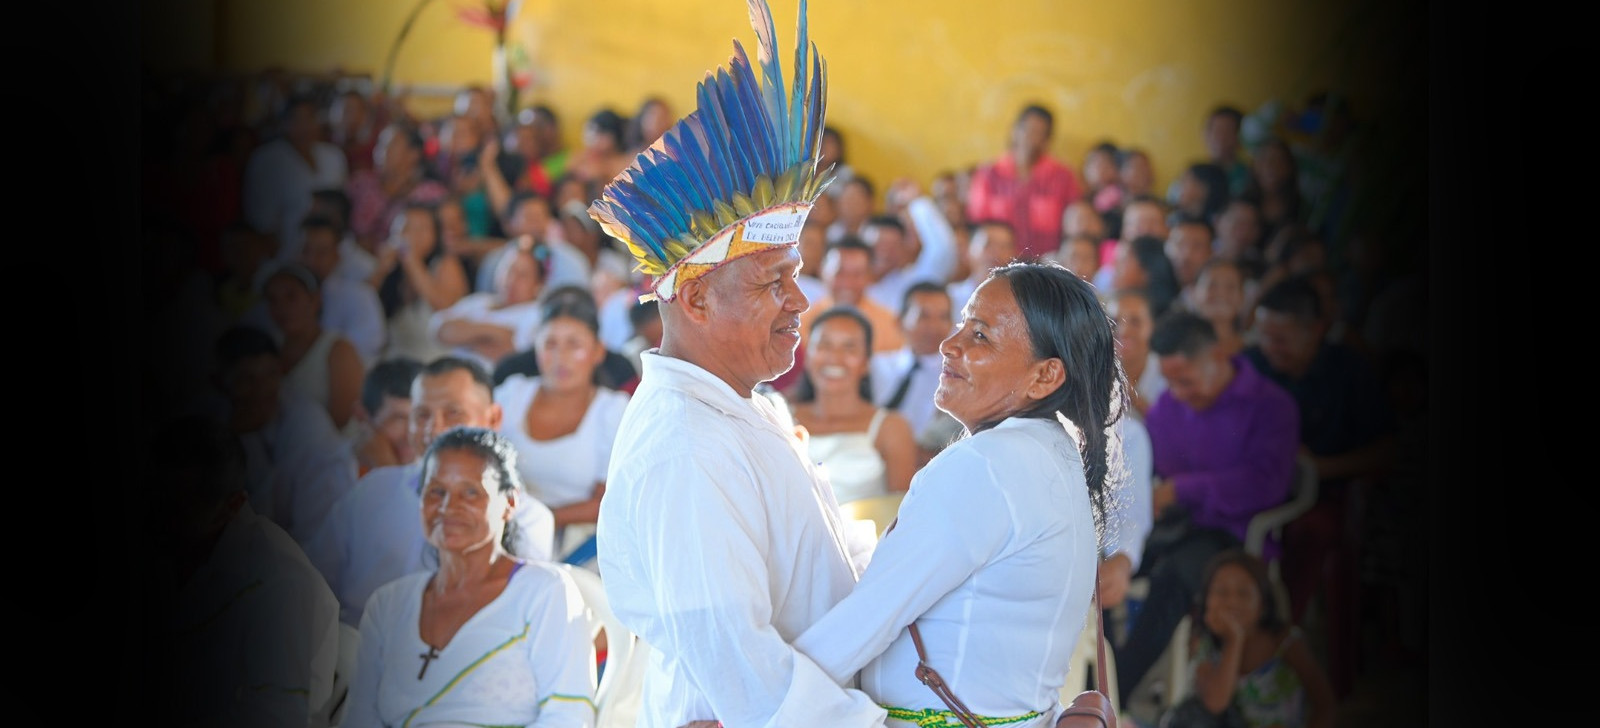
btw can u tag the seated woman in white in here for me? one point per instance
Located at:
(562, 421)
(487, 326)
(865, 450)
(486, 638)
(318, 362)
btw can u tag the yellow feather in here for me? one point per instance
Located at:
(762, 196)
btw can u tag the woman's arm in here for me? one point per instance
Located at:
(344, 382)
(1321, 705)
(585, 511)
(494, 183)
(946, 531)
(897, 445)
(440, 286)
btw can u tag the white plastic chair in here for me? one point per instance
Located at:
(880, 509)
(1302, 496)
(1082, 664)
(621, 687)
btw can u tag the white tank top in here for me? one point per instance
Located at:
(851, 461)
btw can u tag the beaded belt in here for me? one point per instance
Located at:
(932, 718)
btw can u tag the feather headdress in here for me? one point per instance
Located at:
(737, 176)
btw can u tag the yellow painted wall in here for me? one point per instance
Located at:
(916, 86)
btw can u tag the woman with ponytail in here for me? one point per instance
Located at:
(995, 549)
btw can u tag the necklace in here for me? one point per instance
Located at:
(427, 659)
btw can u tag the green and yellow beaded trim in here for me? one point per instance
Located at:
(930, 718)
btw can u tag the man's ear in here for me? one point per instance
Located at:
(694, 299)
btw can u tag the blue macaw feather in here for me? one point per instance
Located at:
(750, 143)
(677, 186)
(814, 104)
(697, 152)
(719, 152)
(743, 161)
(798, 149)
(618, 215)
(772, 90)
(653, 182)
(748, 94)
(680, 144)
(682, 168)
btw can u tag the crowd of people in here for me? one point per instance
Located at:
(404, 341)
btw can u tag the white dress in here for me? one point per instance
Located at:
(310, 375)
(994, 557)
(851, 461)
(525, 659)
(564, 470)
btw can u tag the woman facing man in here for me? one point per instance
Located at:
(995, 550)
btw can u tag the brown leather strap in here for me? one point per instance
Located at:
(930, 677)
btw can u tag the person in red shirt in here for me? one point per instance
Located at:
(1026, 187)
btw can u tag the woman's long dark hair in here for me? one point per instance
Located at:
(1067, 321)
(389, 291)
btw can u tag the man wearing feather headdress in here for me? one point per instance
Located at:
(718, 541)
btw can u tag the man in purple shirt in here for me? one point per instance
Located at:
(1224, 440)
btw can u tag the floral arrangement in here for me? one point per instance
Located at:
(512, 66)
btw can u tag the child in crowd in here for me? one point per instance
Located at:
(1250, 667)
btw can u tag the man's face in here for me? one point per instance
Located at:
(847, 273)
(855, 203)
(927, 321)
(302, 127)
(1099, 169)
(1082, 257)
(1134, 326)
(393, 152)
(1219, 293)
(252, 385)
(1288, 342)
(890, 249)
(1238, 227)
(532, 218)
(442, 401)
(1143, 218)
(813, 244)
(392, 422)
(754, 308)
(992, 247)
(320, 252)
(1222, 138)
(1080, 218)
(1189, 247)
(1030, 135)
(1196, 382)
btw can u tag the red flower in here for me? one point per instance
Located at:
(491, 16)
